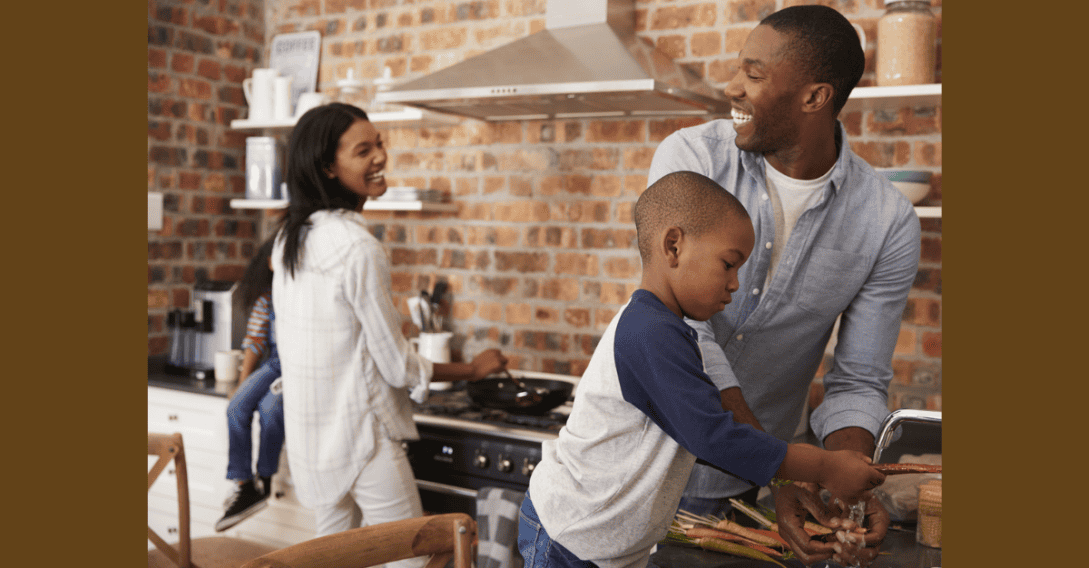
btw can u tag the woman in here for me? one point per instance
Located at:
(347, 369)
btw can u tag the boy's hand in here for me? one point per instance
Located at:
(488, 362)
(847, 474)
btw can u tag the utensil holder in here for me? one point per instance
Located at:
(928, 531)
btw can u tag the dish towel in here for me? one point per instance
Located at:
(497, 527)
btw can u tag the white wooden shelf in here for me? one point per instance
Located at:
(929, 212)
(368, 206)
(872, 98)
(408, 117)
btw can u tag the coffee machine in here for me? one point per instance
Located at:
(215, 323)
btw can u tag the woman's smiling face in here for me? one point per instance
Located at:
(360, 160)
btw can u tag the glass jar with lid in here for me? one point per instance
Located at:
(906, 43)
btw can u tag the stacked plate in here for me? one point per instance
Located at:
(402, 193)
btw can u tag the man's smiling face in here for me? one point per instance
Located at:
(765, 94)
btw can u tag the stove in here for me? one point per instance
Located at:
(464, 448)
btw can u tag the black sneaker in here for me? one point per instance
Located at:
(246, 501)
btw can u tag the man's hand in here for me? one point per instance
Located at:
(792, 502)
(851, 552)
(877, 518)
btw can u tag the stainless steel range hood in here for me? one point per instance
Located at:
(587, 62)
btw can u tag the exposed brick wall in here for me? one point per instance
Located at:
(199, 51)
(541, 252)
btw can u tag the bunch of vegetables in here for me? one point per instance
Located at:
(724, 535)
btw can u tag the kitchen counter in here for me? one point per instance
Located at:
(158, 377)
(898, 551)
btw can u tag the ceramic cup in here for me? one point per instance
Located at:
(259, 90)
(281, 98)
(227, 364)
(434, 347)
(308, 101)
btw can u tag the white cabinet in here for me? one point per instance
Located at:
(202, 421)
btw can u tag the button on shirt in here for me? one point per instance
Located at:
(347, 369)
(854, 251)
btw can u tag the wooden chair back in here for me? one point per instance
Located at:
(169, 448)
(207, 552)
(441, 537)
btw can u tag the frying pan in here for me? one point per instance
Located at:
(502, 393)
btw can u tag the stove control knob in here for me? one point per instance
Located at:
(505, 465)
(527, 467)
(481, 461)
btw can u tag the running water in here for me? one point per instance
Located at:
(857, 513)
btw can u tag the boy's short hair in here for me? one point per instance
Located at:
(691, 201)
(825, 44)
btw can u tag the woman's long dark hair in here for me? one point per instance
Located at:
(311, 150)
(258, 277)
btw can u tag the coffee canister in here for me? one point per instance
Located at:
(263, 169)
(906, 44)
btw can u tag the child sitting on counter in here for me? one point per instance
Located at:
(606, 490)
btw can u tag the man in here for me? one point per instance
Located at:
(833, 239)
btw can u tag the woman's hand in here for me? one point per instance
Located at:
(488, 362)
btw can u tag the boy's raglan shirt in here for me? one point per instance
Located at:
(662, 375)
(608, 486)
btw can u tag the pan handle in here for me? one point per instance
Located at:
(539, 375)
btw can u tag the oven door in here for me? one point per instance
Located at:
(439, 498)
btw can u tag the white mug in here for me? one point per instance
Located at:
(227, 364)
(434, 347)
(308, 101)
(258, 91)
(281, 98)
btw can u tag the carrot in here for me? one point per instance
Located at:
(810, 527)
(772, 535)
(897, 468)
(696, 533)
(719, 545)
(732, 527)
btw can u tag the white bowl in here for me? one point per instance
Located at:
(914, 184)
(914, 191)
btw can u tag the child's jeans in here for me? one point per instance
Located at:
(254, 395)
(537, 548)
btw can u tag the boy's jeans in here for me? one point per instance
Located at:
(537, 548)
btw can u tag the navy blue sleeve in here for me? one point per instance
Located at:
(661, 373)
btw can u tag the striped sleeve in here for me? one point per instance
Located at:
(257, 329)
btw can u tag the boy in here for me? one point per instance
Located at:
(607, 488)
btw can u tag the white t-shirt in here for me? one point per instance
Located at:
(790, 197)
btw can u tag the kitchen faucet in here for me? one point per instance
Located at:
(888, 427)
